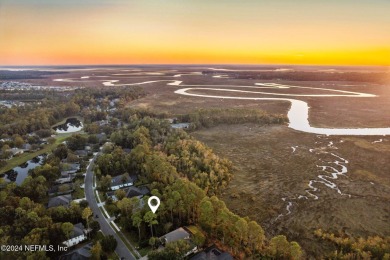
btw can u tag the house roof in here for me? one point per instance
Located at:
(180, 125)
(136, 191)
(63, 200)
(212, 253)
(81, 152)
(73, 167)
(131, 192)
(101, 136)
(67, 174)
(78, 230)
(175, 235)
(55, 188)
(120, 179)
(26, 146)
(15, 150)
(82, 253)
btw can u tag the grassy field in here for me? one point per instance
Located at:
(266, 171)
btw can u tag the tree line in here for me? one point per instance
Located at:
(205, 118)
(372, 247)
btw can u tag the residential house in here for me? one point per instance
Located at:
(61, 189)
(66, 175)
(82, 253)
(103, 122)
(71, 168)
(63, 200)
(26, 147)
(181, 125)
(121, 181)
(179, 234)
(212, 253)
(63, 180)
(6, 140)
(102, 137)
(16, 151)
(175, 235)
(137, 192)
(81, 153)
(78, 235)
(131, 192)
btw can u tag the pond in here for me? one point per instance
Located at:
(71, 125)
(18, 174)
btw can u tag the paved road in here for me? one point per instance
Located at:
(105, 227)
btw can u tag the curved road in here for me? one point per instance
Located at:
(105, 227)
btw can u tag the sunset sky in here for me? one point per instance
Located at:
(334, 32)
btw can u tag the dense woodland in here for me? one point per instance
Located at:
(372, 247)
(205, 118)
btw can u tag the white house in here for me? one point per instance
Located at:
(121, 181)
(78, 235)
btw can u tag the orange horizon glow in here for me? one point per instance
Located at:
(43, 32)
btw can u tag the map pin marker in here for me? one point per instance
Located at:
(151, 206)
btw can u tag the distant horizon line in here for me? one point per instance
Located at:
(190, 64)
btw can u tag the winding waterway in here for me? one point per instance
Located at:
(298, 113)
